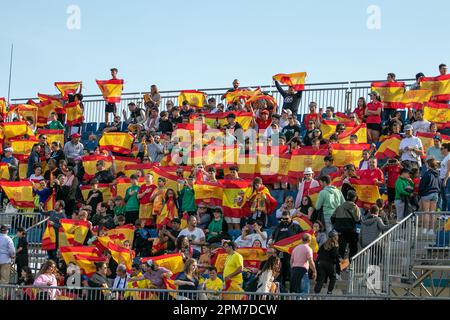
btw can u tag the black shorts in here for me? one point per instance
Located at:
(391, 194)
(374, 126)
(110, 108)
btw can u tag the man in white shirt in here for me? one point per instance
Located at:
(7, 255)
(420, 125)
(195, 235)
(120, 282)
(411, 148)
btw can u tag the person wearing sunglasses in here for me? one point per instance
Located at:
(308, 182)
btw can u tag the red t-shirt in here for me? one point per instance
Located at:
(263, 125)
(360, 113)
(306, 188)
(393, 174)
(374, 107)
(146, 199)
(310, 116)
(372, 174)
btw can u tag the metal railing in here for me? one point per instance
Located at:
(33, 223)
(10, 292)
(389, 260)
(340, 95)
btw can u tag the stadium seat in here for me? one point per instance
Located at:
(279, 196)
(85, 135)
(300, 118)
(83, 127)
(234, 234)
(91, 127)
(101, 126)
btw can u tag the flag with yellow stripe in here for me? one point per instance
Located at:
(438, 113)
(389, 148)
(67, 88)
(348, 153)
(19, 193)
(52, 135)
(117, 142)
(391, 93)
(440, 86)
(74, 113)
(294, 80)
(111, 89)
(193, 97)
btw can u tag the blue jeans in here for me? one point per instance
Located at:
(305, 285)
(297, 276)
(445, 194)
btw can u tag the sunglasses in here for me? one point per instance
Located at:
(284, 219)
(289, 201)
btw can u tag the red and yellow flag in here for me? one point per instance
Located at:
(171, 180)
(274, 166)
(389, 148)
(306, 158)
(46, 97)
(87, 263)
(3, 109)
(111, 89)
(73, 232)
(208, 192)
(44, 109)
(4, 171)
(90, 161)
(233, 197)
(288, 244)
(16, 130)
(416, 98)
(23, 147)
(24, 110)
(440, 86)
(270, 100)
(367, 192)
(118, 142)
(74, 113)
(48, 238)
(132, 168)
(68, 252)
(427, 139)
(172, 262)
(19, 193)
(52, 135)
(313, 193)
(67, 88)
(235, 95)
(193, 97)
(304, 222)
(243, 118)
(253, 256)
(344, 154)
(438, 113)
(295, 80)
(122, 255)
(122, 162)
(328, 128)
(360, 131)
(391, 93)
(103, 187)
(123, 233)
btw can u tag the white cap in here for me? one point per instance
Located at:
(308, 170)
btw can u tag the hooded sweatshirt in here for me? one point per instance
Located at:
(345, 217)
(371, 229)
(329, 199)
(400, 187)
(430, 183)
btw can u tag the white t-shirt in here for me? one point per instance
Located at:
(195, 235)
(421, 126)
(411, 155)
(249, 239)
(444, 167)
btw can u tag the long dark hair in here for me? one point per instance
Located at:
(167, 196)
(47, 265)
(271, 264)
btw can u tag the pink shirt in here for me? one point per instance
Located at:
(300, 256)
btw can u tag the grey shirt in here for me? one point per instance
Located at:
(7, 250)
(72, 151)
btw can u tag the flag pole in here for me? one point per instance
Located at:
(10, 71)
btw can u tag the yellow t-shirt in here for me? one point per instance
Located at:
(216, 285)
(231, 264)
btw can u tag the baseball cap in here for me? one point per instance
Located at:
(435, 138)
(287, 111)
(408, 127)
(265, 112)
(75, 135)
(4, 227)
(9, 150)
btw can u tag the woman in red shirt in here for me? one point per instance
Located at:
(373, 118)
(361, 109)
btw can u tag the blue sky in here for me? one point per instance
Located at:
(206, 43)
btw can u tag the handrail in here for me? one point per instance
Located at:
(346, 84)
(33, 226)
(382, 236)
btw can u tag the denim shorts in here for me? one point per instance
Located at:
(431, 197)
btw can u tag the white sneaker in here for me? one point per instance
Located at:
(424, 231)
(431, 232)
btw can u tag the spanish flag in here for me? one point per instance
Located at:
(53, 135)
(48, 238)
(219, 259)
(118, 142)
(221, 154)
(103, 187)
(132, 168)
(193, 97)
(270, 202)
(248, 166)
(440, 86)
(4, 171)
(74, 114)
(342, 117)
(46, 97)
(122, 162)
(304, 222)
(23, 147)
(23, 167)
(87, 263)
(44, 110)
(438, 113)
(328, 128)
(389, 148)
(233, 197)
(391, 93)
(73, 232)
(295, 80)
(122, 255)
(3, 110)
(69, 252)
(172, 262)
(274, 166)
(306, 158)
(208, 192)
(89, 164)
(19, 193)
(67, 88)
(427, 139)
(344, 154)
(313, 193)
(234, 96)
(123, 233)
(13, 130)
(360, 131)
(123, 184)
(111, 89)
(171, 180)
(253, 256)
(243, 118)
(288, 244)
(24, 110)
(416, 98)
(270, 100)
(367, 192)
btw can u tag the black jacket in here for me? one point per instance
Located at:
(430, 183)
(345, 217)
(283, 232)
(328, 256)
(290, 101)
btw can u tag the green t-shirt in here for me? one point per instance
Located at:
(55, 125)
(119, 211)
(214, 226)
(187, 199)
(132, 202)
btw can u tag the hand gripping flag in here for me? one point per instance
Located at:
(111, 89)
(295, 80)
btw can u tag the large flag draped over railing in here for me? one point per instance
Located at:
(294, 80)
(111, 89)
(440, 86)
